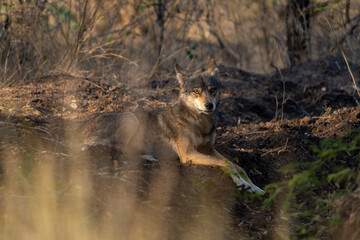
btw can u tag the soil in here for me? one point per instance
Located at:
(262, 125)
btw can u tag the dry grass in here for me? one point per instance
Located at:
(118, 40)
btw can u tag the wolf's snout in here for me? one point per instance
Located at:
(209, 106)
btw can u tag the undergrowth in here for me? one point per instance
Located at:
(308, 195)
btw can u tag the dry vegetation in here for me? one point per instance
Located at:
(62, 61)
(116, 40)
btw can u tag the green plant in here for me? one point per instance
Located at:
(142, 5)
(191, 53)
(307, 194)
(327, 110)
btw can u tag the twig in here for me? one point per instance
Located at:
(114, 55)
(153, 70)
(137, 20)
(278, 149)
(223, 45)
(283, 94)
(112, 21)
(171, 55)
(67, 75)
(352, 76)
(283, 82)
(82, 29)
(276, 106)
(276, 37)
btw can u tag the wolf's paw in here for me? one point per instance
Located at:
(252, 189)
(244, 185)
(256, 189)
(240, 182)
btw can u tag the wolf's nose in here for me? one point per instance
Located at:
(209, 105)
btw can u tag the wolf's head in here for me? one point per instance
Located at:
(200, 91)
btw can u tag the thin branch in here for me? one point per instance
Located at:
(277, 38)
(352, 76)
(223, 46)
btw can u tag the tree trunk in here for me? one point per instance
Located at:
(298, 30)
(347, 11)
(160, 9)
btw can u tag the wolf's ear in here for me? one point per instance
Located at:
(212, 68)
(180, 75)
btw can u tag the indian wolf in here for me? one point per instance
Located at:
(184, 131)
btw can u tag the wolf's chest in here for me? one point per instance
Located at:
(203, 140)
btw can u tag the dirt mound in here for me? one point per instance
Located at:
(308, 89)
(265, 122)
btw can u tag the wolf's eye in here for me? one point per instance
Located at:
(212, 90)
(196, 91)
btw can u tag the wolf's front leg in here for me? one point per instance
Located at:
(240, 177)
(188, 154)
(242, 180)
